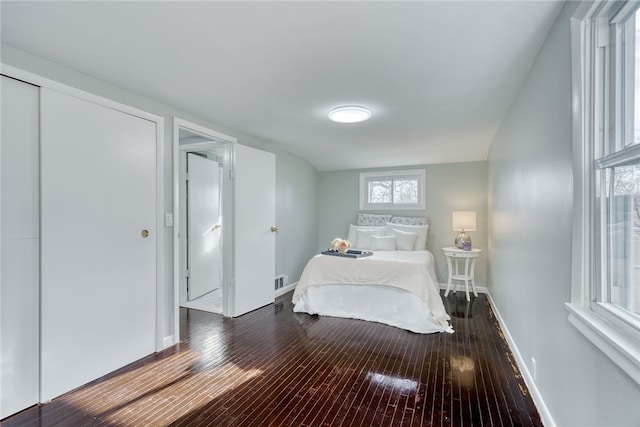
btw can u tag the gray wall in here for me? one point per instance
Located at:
(530, 208)
(296, 214)
(295, 177)
(450, 187)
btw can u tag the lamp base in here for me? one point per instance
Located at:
(463, 241)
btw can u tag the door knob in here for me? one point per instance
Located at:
(145, 233)
(274, 229)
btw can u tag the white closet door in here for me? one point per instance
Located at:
(98, 285)
(255, 214)
(204, 223)
(19, 225)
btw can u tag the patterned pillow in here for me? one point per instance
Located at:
(372, 219)
(409, 220)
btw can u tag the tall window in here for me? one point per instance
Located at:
(617, 163)
(606, 267)
(392, 190)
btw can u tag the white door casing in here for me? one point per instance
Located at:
(255, 207)
(204, 226)
(98, 286)
(215, 140)
(20, 251)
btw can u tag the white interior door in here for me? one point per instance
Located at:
(204, 226)
(19, 261)
(98, 201)
(255, 214)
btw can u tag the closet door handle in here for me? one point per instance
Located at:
(144, 234)
(274, 229)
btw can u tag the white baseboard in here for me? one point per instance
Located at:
(168, 341)
(285, 289)
(460, 287)
(545, 415)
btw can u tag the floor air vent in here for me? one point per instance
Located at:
(280, 282)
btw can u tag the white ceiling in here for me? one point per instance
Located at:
(438, 76)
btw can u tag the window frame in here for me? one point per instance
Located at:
(598, 102)
(393, 175)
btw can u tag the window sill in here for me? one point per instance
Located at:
(392, 208)
(621, 347)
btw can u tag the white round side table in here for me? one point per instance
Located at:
(454, 255)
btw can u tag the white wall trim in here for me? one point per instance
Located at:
(619, 346)
(285, 289)
(228, 268)
(168, 341)
(421, 204)
(37, 80)
(545, 415)
(459, 287)
(607, 329)
(161, 293)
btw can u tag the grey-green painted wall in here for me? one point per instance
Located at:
(450, 187)
(530, 214)
(296, 179)
(296, 214)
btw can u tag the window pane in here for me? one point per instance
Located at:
(623, 225)
(387, 190)
(379, 192)
(405, 191)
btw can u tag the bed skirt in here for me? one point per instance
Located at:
(377, 303)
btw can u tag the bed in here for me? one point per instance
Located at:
(396, 285)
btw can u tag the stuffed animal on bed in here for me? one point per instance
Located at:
(340, 245)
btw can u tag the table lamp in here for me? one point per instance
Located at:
(463, 221)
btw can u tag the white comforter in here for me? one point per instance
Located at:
(412, 271)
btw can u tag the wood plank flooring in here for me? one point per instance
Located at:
(273, 367)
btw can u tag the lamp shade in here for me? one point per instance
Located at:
(463, 220)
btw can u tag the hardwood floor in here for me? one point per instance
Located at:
(279, 368)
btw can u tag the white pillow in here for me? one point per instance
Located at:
(383, 243)
(353, 230)
(363, 238)
(405, 240)
(420, 230)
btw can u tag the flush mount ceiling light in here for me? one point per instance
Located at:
(349, 114)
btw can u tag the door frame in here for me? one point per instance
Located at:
(43, 82)
(227, 211)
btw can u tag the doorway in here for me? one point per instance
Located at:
(203, 159)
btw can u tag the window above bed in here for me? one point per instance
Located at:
(393, 190)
